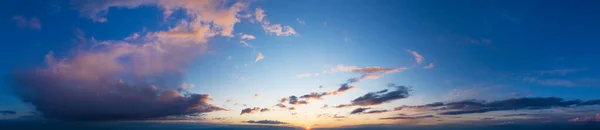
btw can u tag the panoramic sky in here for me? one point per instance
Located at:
(301, 64)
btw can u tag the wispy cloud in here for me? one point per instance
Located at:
(300, 21)
(32, 23)
(561, 72)
(428, 66)
(418, 57)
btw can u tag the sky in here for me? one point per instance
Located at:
(306, 64)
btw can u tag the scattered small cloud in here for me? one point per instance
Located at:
(259, 57)
(247, 37)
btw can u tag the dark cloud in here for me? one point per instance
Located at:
(292, 108)
(481, 106)
(487, 118)
(375, 111)
(250, 110)
(318, 96)
(7, 112)
(314, 95)
(265, 122)
(359, 110)
(280, 105)
(221, 118)
(407, 117)
(376, 98)
(336, 116)
(587, 119)
(294, 100)
(264, 110)
(590, 102)
(60, 97)
(511, 115)
(435, 104)
(282, 100)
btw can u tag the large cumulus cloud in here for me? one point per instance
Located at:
(139, 77)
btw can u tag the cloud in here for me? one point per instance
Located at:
(431, 105)
(259, 57)
(245, 44)
(588, 119)
(264, 110)
(212, 14)
(152, 65)
(265, 122)
(418, 57)
(247, 37)
(582, 82)
(561, 72)
(428, 66)
(280, 105)
(478, 41)
(407, 117)
(305, 75)
(250, 110)
(359, 110)
(482, 106)
(259, 14)
(300, 21)
(279, 30)
(282, 100)
(7, 112)
(269, 28)
(336, 116)
(383, 96)
(32, 23)
(375, 111)
(294, 101)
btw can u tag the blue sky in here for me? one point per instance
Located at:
(247, 54)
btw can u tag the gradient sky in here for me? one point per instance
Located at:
(490, 62)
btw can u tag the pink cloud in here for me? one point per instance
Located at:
(418, 57)
(429, 66)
